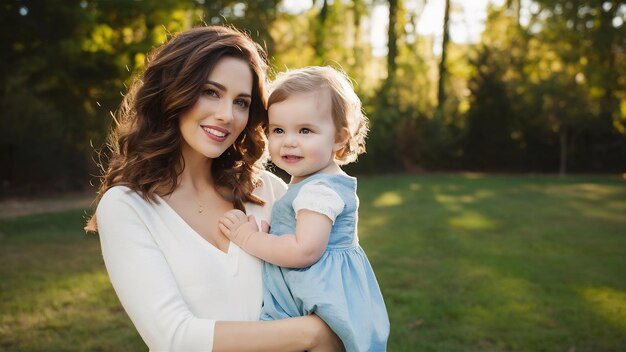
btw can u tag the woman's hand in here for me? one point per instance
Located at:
(325, 340)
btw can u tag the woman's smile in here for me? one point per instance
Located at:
(216, 133)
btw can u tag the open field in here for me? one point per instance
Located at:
(465, 262)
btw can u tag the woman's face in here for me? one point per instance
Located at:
(220, 114)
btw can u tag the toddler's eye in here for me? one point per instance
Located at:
(277, 130)
(305, 131)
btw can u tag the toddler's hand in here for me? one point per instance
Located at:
(237, 226)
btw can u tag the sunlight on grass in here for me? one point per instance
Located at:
(57, 301)
(374, 221)
(473, 175)
(471, 221)
(497, 296)
(608, 212)
(587, 191)
(608, 303)
(388, 199)
(454, 202)
(371, 224)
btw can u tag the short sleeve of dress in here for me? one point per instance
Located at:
(319, 197)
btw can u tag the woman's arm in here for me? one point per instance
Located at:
(143, 280)
(150, 295)
(294, 334)
(300, 250)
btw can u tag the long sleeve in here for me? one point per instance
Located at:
(143, 280)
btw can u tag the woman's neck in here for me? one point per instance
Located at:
(196, 174)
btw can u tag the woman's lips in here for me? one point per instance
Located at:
(216, 133)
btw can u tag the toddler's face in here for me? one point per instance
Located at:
(302, 134)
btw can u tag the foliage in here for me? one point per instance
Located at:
(63, 72)
(491, 117)
(552, 96)
(465, 263)
(546, 112)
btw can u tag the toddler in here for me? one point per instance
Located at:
(313, 261)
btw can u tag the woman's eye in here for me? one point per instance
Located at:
(242, 103)
(211, 92)
(305, 131)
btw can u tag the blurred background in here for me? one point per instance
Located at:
(499, 86)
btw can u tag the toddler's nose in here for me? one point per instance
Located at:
(290, 141)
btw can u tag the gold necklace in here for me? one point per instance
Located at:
(200, 205)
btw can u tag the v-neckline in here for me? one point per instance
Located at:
(231, 250)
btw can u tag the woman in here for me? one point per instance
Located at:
(189, 146)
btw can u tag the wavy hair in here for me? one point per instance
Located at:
(144, 148)
(345, 104)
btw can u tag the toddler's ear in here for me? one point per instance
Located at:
(341, 138)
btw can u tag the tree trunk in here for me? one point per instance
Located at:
(516, 7)
(358, 10)
(441, 94)
(563, 151)
(320, 33)
(392, 44)
(607, 49)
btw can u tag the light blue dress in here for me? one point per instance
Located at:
(341, 287)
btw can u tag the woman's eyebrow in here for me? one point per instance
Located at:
(224, 89)
(219, 86)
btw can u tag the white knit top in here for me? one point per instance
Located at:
(172, 283)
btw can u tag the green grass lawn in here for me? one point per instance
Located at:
(466, 263)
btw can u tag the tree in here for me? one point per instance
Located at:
(392, 41)
(319, 30)
(441, 94)
(68, 65)
(254, 17)
(490, 119)
(588, 125)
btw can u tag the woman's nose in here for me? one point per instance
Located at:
(224, 111)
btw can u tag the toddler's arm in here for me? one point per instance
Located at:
(300, 250)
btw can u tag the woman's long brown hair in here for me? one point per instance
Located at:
(143, 152)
